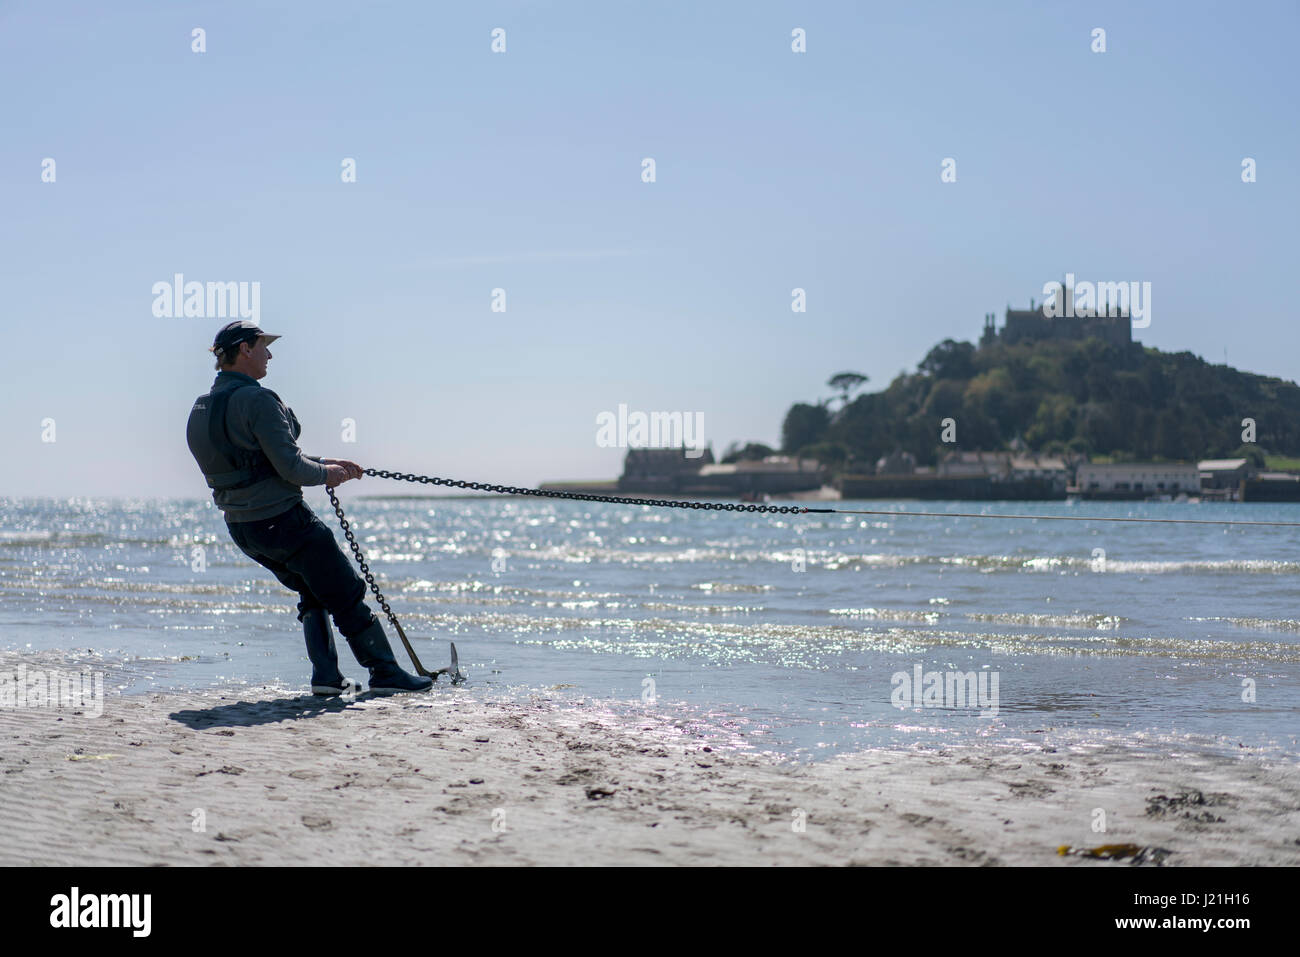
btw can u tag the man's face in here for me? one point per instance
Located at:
(256, 358)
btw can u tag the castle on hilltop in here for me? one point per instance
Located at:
(1035, 324)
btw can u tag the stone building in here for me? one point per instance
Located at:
(1035, 324)
(661, 470)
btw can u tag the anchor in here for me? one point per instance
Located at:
(452, 671)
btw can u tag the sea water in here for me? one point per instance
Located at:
(800, 634)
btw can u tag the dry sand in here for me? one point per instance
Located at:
(458, 777)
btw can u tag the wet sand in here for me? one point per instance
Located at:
(262, 776)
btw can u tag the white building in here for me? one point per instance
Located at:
(776, 474)
(1137, 479)
(963, 464)
(1040, 469)
(1032, 467)
(1005, 466)
(1223, 473)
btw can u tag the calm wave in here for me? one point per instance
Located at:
(793, 626)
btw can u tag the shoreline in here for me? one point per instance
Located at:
(456, 778)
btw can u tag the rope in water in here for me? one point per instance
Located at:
(781, 509)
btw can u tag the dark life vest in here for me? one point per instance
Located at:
(224, 464)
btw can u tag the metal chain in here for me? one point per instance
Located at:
(585, 497)
(361, 559)
(708, 506)
(513, 490)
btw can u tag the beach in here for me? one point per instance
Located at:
(700, 398)
(266, 776)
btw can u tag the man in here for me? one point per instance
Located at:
(245, 441)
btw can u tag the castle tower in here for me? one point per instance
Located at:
(990, 334)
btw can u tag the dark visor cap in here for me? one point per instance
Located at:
(233, 333)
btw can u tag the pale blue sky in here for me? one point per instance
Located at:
(522, 171)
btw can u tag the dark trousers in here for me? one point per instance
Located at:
(304, 555)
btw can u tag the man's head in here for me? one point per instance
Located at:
(242, 347)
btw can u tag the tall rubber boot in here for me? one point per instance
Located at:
(326, 679)
(373, 651)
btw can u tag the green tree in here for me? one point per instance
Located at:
(1053, 422)
(831, 454)
(1252, 453)
(1078, 395)
(750, 452)
(949, 360)
(845, 383)
(804, 425)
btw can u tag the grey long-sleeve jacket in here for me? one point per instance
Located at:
(256, 419)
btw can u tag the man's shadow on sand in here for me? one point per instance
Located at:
(245, 714)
